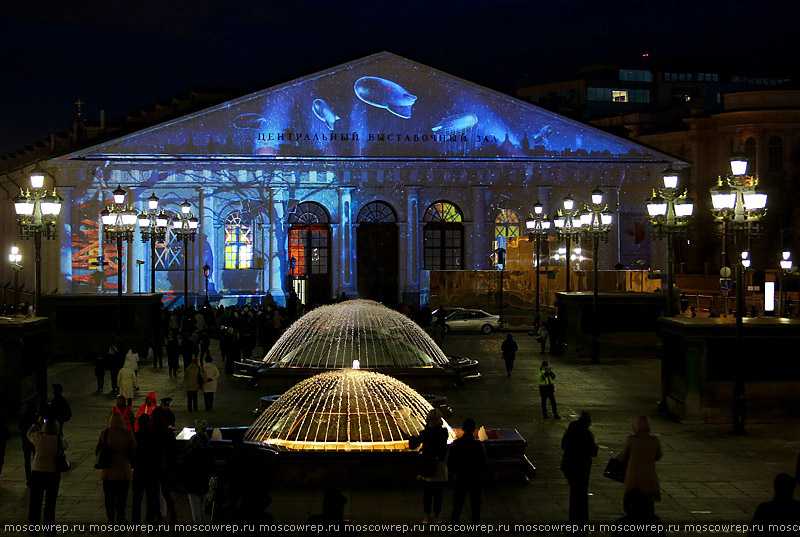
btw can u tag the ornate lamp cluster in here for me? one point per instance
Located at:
(596, 219)
(37, 209)
(185, 224)
(737, 200)
(669, 209)
(153, 225)
(538, 228)
(119, 219)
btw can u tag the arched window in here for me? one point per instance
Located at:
(506, 224)
(309, 213)
(775, 153)
(752, 153)
(443, 237)
(310, 246)
(377, 212)
(238, 241)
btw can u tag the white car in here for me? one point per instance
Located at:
(471, 320)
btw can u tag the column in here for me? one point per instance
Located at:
(481, 234)
(413, 242)
(345, 243)
(277, 242)
(65, 239)
(206, 238)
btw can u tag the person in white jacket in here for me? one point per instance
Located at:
(126, 380)
(132, 358)
(210, 376)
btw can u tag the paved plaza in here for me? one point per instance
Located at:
(707, 475)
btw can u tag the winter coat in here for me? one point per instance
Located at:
(434, 448)
(123, 448)
(199, 464)
(642, 451)
(133, 359)
(149, 461)
(579, 448)
(192, 377)
(46, 445)
(210, 376)
(509, 348)
(467, 460)
(59, 409)
(127, 415)
(127, 382)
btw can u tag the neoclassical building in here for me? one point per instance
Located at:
(366, 175)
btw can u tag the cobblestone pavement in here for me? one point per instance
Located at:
(707, 475)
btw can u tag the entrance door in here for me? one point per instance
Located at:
(376, 250)
(310, 245)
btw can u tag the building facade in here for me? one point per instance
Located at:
(354, 180)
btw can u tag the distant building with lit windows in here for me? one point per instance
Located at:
(355, 179)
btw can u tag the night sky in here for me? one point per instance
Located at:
(123, 56)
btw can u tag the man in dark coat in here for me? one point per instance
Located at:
(783, 509)
(147, 469)
(467, 463)
(579, 448)
(173, 356)
(509, 348)
(58, 407)
(114, 361)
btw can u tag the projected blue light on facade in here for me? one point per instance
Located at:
(383, 106)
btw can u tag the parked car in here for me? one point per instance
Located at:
(471, 320)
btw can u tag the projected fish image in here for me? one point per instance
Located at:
(458, 122)
(382, 93)
(324, 112)
(543, 133)
(248, 121)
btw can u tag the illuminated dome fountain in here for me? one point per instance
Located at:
(334, 336)
(344, 410)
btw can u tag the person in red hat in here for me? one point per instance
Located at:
(147, 408)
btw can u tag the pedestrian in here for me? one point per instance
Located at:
(210, 375)
(194, 381)
(173, 356)
(132, 358)
(642, 450)
(188, 350)
(58, 407)
(124, 410)
(100, 372)
(439, 329)
(782, 511)
(48, 443)
(163, 412)
(433, 471)
(467, 462)
(205, 345)
(127, 382)
(4, 434)
(114, 364)
(542, 337)
(116, 478)
(547, 389)
(579, 448)
(509, 348)
(199, 465)
(26, 420)
(150, 404)
(147, 468)
(158, 352)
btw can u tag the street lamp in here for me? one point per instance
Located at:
(118, 221)
(15, 257)
(538, 227)
(596, 222)
(786, 268)
(669, 214)
(185, 227)
(206, 273)
(568, 225)
(499, 258)
(153, 227)
(738, 203)
(37, 215)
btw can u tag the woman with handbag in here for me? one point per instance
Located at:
(642, 450)
(115, 450)
(433, 472)
(48, 463)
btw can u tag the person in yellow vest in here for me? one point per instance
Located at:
(547, 390)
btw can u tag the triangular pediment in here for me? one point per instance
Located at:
(379, 107)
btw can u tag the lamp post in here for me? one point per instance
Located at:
(568, 225)
(595, 223)
(499, 258)
(538, 227)
(669, 213)
(206, 273)
(119, 221)
(15, 257)
(37, 215)
(738, 204)
(153, 227)
(185, 227)
(786, 268)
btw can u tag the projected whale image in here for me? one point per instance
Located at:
(382, 93)
(543, 133)
(248, 121)
(459, 122)
(324, 112)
